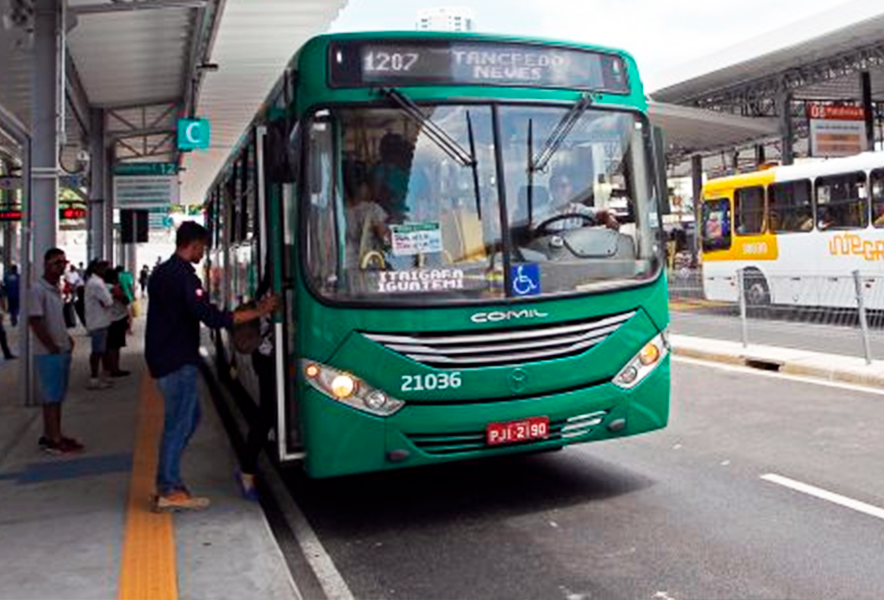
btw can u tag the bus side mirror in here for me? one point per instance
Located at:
(659, 152)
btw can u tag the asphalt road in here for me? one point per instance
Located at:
(677, 514)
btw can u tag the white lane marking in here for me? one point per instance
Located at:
(774, 375)
(822, 494)
(281, 557)
(330, 578)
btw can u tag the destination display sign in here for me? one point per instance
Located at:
(359, 63)
(10, 215)
(64, 213)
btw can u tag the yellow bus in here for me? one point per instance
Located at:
(799, 232)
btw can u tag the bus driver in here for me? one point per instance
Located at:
(562, 202)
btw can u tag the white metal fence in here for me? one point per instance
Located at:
(841, 314)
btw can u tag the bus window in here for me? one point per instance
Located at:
(749, 210)
(789, 206)
(322, 231)
(877, 185)
(716, 225)
(841, 201)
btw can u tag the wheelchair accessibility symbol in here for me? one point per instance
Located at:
(525, 280)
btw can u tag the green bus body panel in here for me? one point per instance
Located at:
(323, 328)
(341, 440)
(384, 368)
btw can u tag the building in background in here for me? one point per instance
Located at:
(446, 19)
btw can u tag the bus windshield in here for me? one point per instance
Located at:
(437, 207)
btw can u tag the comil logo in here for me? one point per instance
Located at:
(507, 315)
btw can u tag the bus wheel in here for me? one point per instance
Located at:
(756, 289)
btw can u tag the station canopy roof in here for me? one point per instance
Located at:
(146, 61)
(818, 58)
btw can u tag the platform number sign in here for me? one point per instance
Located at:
(193, 134)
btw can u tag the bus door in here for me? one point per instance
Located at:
(278, 197)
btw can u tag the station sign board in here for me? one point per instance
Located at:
(145, 185)
(836, 130)
(193, 134)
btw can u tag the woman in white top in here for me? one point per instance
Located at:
(98, 306)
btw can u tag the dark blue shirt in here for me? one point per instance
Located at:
(12, 284)
(177, 304)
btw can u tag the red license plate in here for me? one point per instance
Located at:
(532, 428)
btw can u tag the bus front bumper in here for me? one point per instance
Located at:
(341, 440)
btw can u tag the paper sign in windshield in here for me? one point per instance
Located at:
(416, 238)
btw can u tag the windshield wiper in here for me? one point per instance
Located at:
(559, 133)
(448, 144)
(476, 189)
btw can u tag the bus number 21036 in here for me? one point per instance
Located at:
(430, 382)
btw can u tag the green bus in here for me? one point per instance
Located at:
(466, 234)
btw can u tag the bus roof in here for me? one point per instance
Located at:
(866, 161)
(810, 170)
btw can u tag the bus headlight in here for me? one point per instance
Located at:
(343, 386)
(643, 364)
(348, 389)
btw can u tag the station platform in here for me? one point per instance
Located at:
(80, 526)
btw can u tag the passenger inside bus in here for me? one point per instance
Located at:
(826, 218)
(393, 180)
(366, 222)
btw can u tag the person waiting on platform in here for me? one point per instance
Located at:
(98, 304)
(52, 351)
(12, 287)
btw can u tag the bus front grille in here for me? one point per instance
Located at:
(561, 430)
(502, 347)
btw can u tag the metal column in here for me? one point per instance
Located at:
(787, 130)
(759, 155)
(9, 237)
(44, 128)
(697, 180)
(15, 128)
(109, 233)
(97, 185)
(868, 109)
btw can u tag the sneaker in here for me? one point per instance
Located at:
(179, 500)
(73, 444)
(247, 487)
(120, 373)
(65, 446)
(98, 384)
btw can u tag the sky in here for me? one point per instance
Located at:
(662, 35)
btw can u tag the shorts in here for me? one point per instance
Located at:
(116, 334)
(53, 373)
(99, 340)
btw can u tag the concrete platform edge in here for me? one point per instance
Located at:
(828, 367)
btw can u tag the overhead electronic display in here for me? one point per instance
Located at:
(360, 63)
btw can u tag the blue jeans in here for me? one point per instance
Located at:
(182, 415)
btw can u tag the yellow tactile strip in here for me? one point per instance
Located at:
(147, 570)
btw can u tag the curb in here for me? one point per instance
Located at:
(798, 368)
